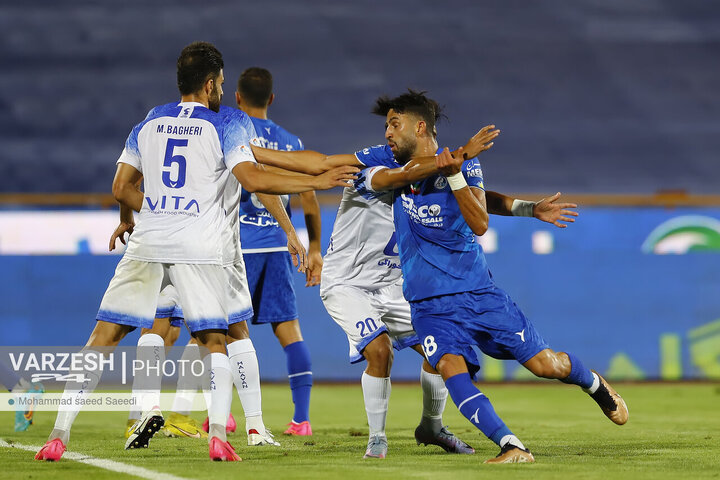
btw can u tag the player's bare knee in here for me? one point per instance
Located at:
(450, 365)
(287, 332)
(172, 336)
(238, 331)
(549, 364)
(212, 340)
(379, 354)
(106, 334)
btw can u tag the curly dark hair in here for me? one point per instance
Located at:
(412, 102)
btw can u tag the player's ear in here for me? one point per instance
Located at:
(272, 97)
(238, 99)
(209, 84)
(421, 128)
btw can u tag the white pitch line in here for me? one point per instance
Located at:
(100, 463)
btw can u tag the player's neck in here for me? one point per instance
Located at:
(255, 112)
(196, 97)
(426, 147)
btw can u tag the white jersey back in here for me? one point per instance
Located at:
(185, 152)
(363, 251)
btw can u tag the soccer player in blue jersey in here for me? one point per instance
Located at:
(362, 285)
(454, 302)
(264, 247)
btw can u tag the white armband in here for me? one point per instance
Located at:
(522, 208)
(456, 181)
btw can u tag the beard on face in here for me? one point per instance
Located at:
(214, 99)
(404, 153)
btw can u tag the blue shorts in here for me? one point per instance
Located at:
(487, 319)
(269, 278)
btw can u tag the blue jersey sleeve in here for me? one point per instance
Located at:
(473, 173)
(238, 133)
(377, 156)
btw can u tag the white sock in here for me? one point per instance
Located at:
(220, 393)
(246, 376)
(511, 439)
(434, 399)
(151, 354)
(376, 392)
(595, 385)
(187, 384)
(73, 398)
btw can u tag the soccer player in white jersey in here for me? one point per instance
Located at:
(184, 153)
(165, 328)
(362, 283)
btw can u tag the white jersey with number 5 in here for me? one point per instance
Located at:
(363, 251)
(185, 152)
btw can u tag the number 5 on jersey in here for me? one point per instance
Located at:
(170, 159)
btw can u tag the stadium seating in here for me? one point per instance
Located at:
(591, 96)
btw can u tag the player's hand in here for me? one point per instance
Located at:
(297, 252)
(549, 211)
(449, 164)
(120, 232)
(314, 270)
(337, 177)
(481, 141)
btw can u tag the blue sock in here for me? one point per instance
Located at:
(300, 374)
(476, 407)
(579, 373)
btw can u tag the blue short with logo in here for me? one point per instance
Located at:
(487, 319)
(270, 281)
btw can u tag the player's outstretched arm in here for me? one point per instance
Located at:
(471, 200)
(303, 161)
(478, 143)
(311, 208)
(547, 210)
(254, 178)
(274, 205)
(124, 187)
(420, 168)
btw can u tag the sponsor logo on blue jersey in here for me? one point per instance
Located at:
(427, 215)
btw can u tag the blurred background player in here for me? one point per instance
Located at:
(21, 388)
(264, 246)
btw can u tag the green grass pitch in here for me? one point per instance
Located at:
(673, 432)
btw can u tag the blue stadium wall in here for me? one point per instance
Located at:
(600, 288)
(592, 96)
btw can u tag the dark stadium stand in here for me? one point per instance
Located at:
(592, 96)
